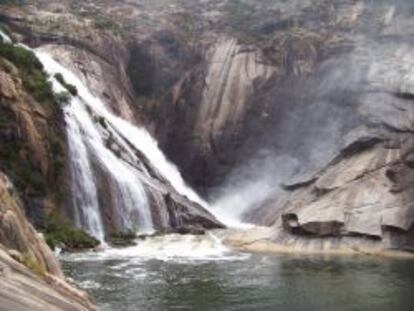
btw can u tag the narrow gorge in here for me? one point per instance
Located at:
(185, 154)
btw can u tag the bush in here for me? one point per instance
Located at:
(71, 88)
(123, 238)
(21, 57)
(39, 87)
(33, 77)
(5, 66)
(59, 231)
(27, 177)
(129, 235)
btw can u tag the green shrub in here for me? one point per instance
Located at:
(123, 238)
(5, 66)
(27, 177)
(33, 178)
(128, 235)
(59, 231)
(20, 56)
(33, 77)
(39, 87)
(71, 88)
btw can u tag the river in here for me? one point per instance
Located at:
(198, 273)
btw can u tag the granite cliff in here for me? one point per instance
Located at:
(307, 102)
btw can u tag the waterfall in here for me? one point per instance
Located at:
(84, 194)
(5, 38)
(90, 125)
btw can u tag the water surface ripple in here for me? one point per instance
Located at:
(191, 278)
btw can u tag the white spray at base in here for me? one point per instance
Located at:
(87, 144)
(87, 147)
(173, 247)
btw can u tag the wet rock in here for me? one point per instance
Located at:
(123, 239)
(15, 255)
(190, 230)
(326, 88)
(30, 275)
(22, 290)
(16, 232)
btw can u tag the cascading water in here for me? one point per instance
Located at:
(88, 144)
(91, 130)
(85, 198)
(5, 38)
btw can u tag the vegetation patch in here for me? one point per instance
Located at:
(25, 175)
(123, 238)
(59, 232)
(33, 77)
(33, 264)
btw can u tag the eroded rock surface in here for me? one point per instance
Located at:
(30, 275)
(317, 96)
(21, 289)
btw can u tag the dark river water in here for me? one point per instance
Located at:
(199, 275)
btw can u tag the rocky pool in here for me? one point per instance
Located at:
(198, 273)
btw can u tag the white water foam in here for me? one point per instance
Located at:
(172, 247)
(144, 142)
(138, 136)
(128, 186)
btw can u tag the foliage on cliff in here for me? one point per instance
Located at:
(60, 233)
(31, 137)
(33, 77)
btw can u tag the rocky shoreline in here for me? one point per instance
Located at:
(30, 275)
(262, 240)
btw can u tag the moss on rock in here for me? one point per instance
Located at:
(33, 77)
(123, 238)
(59, 232)
(33, 264)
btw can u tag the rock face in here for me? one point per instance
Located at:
(347, 131)
(32, 147)
(168, 207)
(311, 98)
(16, 233)
(105, 75)
(21, 289)
(208, 107)
(30, 275)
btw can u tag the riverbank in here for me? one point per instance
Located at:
(264, 240)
